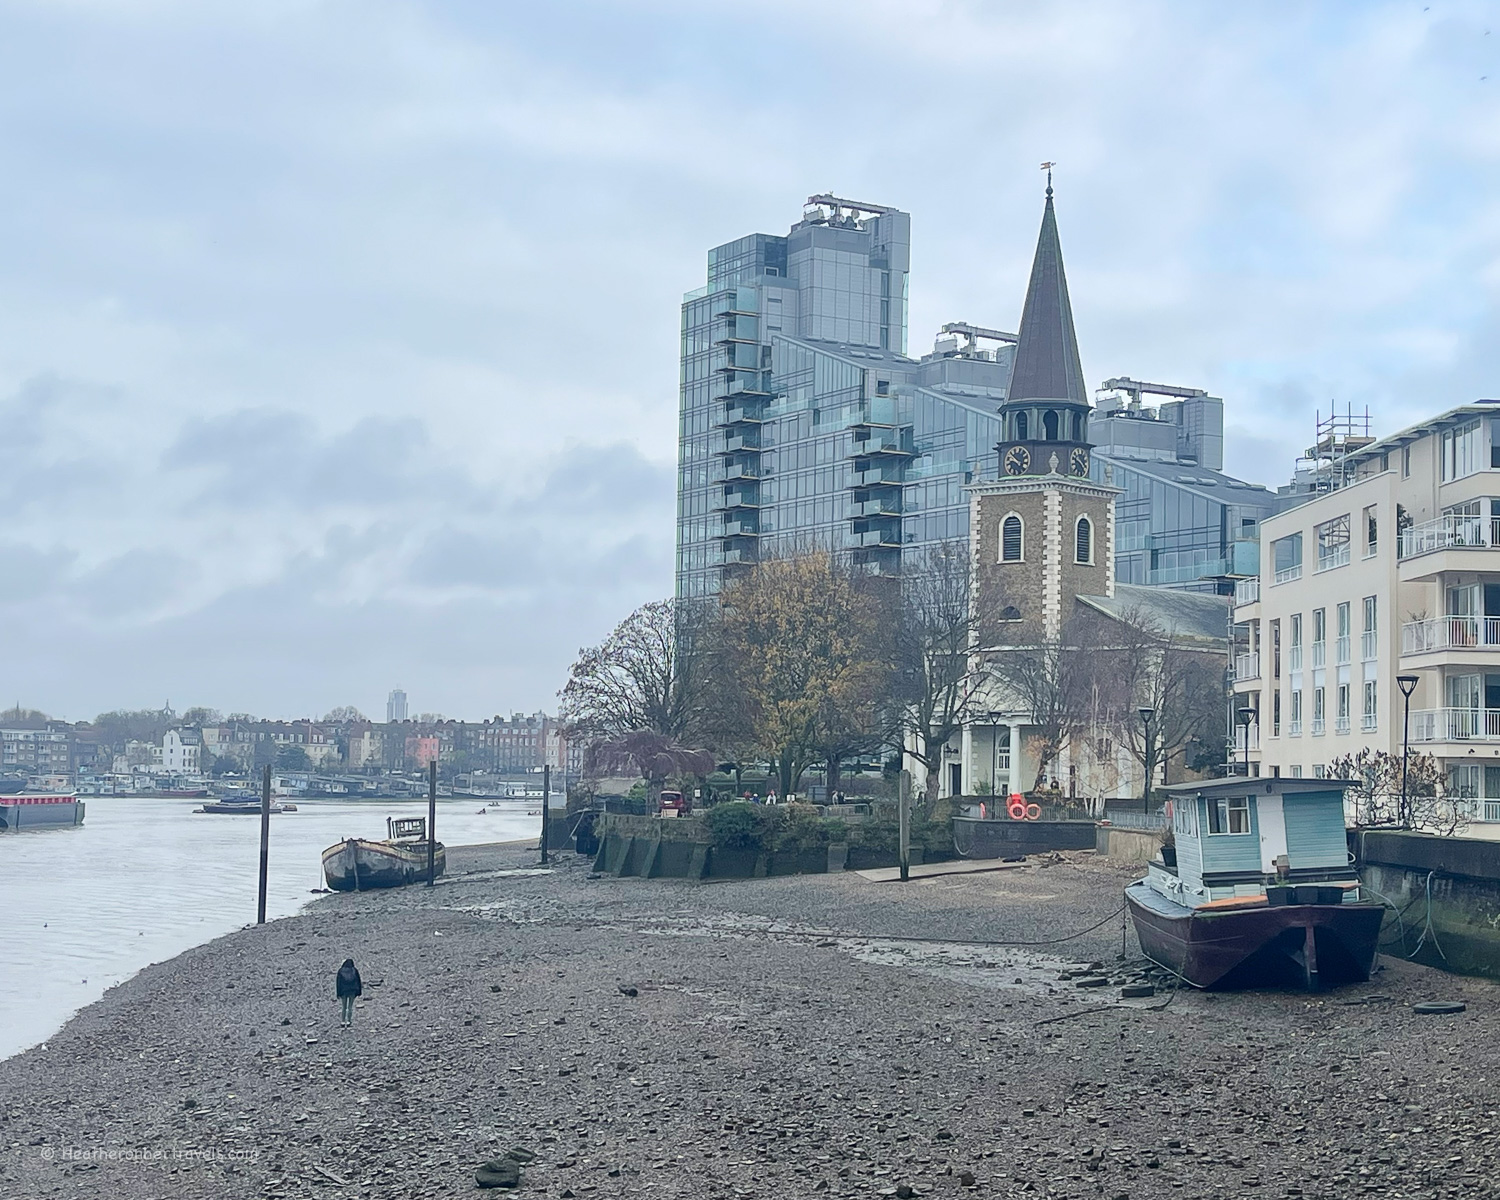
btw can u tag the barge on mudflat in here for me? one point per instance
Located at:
(358, 863)
(1255, 888)
(39, 812)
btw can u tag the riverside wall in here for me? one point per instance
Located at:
(1447, 888)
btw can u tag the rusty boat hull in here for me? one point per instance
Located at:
(357, 863)
(1253, 944)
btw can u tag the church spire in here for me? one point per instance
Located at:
(1046, 363)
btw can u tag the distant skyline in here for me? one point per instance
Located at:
(338, 342)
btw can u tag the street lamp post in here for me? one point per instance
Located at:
(1407, 684)
(1246, 715)
(1148, 755)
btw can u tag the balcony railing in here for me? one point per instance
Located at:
(1491, 810)
(1294, 728)
(1367, 723)
(1247, 591)
(1367, 647)
(1455, 725)
(1341, 725)
(1318, 727)
(1246, 666)
(1448, 532)
(1287, 574)
(1319, 655)
(1341, 650)
(1294, 659)
(1451, 633)
(1333, 556)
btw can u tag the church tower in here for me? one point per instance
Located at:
(1043, 532)
(1044, 422)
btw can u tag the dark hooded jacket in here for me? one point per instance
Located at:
(348, 983)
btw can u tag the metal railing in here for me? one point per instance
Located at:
(1367, 723)
(1341, 650)
(1294, 659)
(1319, 655)
(1318, 727)
(1294, 728)
(1367, 645)
(1451, 633)
(1341, 725)
(1136, 820)
(1287, 574)
(1455, 725)
(1247, 591)
(1246, 666)
(1334, 556)
(1450, 531)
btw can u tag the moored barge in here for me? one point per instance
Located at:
(358, 863)
(39, 811)
(1255, 888)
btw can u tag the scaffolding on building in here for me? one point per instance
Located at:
(1325, 465)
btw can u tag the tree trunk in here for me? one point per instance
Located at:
(831, 779)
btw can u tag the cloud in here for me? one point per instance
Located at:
(338, 342)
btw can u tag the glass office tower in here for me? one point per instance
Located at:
(803, 423)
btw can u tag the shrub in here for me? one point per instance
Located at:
(737, 825)
(802, 830)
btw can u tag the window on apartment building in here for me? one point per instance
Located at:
(1405, 462)
(1296, 771)
(1460, 450)
(1286, 557)
(1319, 710)
(1320, 625)
(1333, 543)
(1494, 453)
(1343, 619)
(1343, 706)
(1372, 531)
(1012, 543)
(1296, 710)
(1276, 714)
(1276, 649)
(1320, 771)
(1368, 717)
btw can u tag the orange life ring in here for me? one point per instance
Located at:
(1033, 812)
(1016, 808)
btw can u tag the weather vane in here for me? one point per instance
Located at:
(1047, 166)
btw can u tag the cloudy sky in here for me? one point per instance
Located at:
(338, 337)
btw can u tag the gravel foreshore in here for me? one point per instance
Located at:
(799, 1037)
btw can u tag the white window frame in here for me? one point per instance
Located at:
(1000, 549)
(1222, 812)
(1082, 520)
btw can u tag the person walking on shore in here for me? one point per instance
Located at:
(348, 986)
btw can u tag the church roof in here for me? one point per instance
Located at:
(1046, 363)
(1189, 616)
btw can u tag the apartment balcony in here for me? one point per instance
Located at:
(1334, 556)
(1455, 725)
(739, 414)
(741, 443)
(742, 470)
(1479, 636)
(1319, 655)
(888, 475)
(881, 445)
(1368, 647)
(740, 529)
(884, 538)
(1341, 651)
(745, 498)
(1287, 574)
(740, 556)
(1449, 543)
(886, 506)
(1247, 591)
(1246, 666)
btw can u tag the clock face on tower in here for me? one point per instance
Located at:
(1017, 460)
(1078, 461)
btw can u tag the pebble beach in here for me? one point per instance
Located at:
(805, 1036)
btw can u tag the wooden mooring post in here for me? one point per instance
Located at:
(265, 843)
(546, 804)
(431, 820)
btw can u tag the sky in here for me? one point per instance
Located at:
(338, 338)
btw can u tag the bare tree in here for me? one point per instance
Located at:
(935, 680)
(1376, 799)
(644, 676)
(652, 756)
(1053, 681)
(1146, 666)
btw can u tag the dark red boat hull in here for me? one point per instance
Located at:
(1312, 946)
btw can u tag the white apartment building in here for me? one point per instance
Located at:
(1394, 571)
(181, 751)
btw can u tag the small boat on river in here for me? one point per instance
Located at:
(358, 863)
(22, 811)
(242, 807)
(1256, 888)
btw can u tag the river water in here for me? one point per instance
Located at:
(143, 880)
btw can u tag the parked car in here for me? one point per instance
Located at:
(674, 804)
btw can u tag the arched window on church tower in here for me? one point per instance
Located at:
(1083, 541)
(1012, 539)
(1049, 425)
(1078, 427)
(1020, 427)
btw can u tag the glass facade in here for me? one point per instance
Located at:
(1183, 526)
(802, 421)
